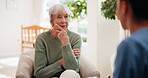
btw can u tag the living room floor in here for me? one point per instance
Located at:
(8, 66)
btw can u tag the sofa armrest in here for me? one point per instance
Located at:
(25, 67)
(87, 69)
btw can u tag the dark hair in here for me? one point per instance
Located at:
(139, 8)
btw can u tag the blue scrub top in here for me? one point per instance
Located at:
(132, 56)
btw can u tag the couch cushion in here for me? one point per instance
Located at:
(25, 66)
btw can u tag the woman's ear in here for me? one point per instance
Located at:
(124, 12)
(52, 24)
(124, 8)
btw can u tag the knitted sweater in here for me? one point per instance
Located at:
(48, 50)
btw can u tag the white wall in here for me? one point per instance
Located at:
(108, 40)
(108, 37)
(103, 38)
(92, 17)
(10, 25)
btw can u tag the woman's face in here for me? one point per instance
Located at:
(62, 19)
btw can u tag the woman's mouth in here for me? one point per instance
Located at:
(63, 26)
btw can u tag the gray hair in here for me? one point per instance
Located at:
(58, 8)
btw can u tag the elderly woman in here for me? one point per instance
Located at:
(57, 50)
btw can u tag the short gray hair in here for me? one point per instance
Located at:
(58, 8)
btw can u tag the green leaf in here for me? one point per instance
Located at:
(78, 9)
(108, 9)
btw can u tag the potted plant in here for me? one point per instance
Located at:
(78, 8)
(108, 9)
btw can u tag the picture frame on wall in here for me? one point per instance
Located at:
(11, 4)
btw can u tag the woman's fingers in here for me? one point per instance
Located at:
(58, 27)
(61, 61)
(76, 52)
(76, 49)
(58, 33)
(61, 34)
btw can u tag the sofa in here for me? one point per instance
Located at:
(25, 67)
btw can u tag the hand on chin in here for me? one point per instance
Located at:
(63, 27)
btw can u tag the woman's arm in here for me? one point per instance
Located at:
(42, 69)
(70, 60)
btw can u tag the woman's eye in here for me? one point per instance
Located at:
(66, 16)
(59, 17)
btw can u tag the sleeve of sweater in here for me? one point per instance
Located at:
(70, 61)
(42, 69)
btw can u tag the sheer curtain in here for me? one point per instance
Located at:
(46, 4)
(38, 11)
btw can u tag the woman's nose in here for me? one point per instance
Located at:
(63, 20)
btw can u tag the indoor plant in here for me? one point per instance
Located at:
(78, 8)
(108, 9)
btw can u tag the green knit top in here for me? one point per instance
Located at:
(48, 50)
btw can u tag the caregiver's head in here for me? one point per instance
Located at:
(59, 14)
(131, 12)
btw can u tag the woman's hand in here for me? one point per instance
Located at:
(53, 31)
(62, 35)
(61, 62)
(76, 52)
